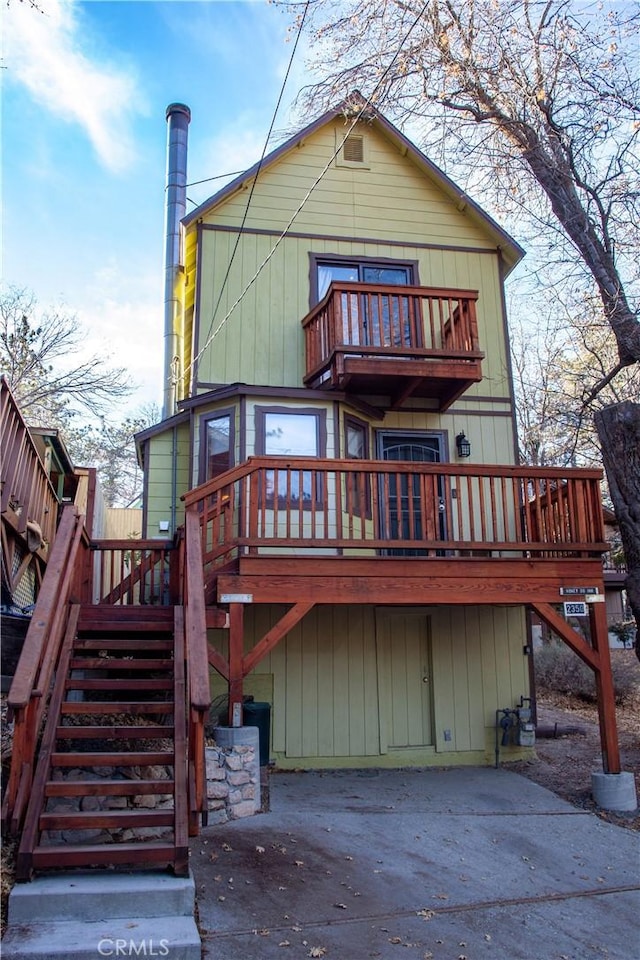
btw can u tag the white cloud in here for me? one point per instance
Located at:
(44, 53)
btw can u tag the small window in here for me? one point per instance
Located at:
(356, 441)
(216, 444)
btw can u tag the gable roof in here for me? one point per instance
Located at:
(356, 104)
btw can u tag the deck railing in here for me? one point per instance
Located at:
(398, 321)
(27, 493)
(277, 506)
(131, 572)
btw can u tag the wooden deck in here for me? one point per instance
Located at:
(353, 531)
(399, 341)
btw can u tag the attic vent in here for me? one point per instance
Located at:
(353, 151)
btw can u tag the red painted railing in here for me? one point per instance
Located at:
(356, 507)
(27, 493)
(398, 322)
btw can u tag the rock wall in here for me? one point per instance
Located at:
(233, 774)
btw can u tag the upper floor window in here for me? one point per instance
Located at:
(216, 444)
(361, 271)
(380, 318)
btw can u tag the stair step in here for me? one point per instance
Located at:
(155, 732)
(123, 643)
(174, 938)
(111, 759)
(107, 788)
(100, 820)
(107, 683)
(102, 854)
(118, 663)
(132, 707)
(96, 622)
(85, 895)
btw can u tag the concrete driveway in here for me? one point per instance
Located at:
(445, 864)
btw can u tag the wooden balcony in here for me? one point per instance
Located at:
(396, 342)
(378, 531)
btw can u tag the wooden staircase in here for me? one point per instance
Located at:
(111, 781)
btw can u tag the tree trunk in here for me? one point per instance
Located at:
(618, 428)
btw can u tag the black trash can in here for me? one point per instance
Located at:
(258, 715)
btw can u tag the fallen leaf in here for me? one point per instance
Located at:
(340, 906)
(395, 939)
(487, 937)
(213, 857)
(317, 952)
(426, 914)
(441, 896)
(264, 932)
(351, 858)
(222, 899)
(227, 847)
(259, 849)
(299, 863)
(284, 943)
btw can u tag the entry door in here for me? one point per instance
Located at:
(409, 510)
(405, 679)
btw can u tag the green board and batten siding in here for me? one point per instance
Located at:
(167, 471)
(338, 696)
(389, 202)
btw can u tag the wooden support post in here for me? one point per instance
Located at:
(604, 689)
(236, 646)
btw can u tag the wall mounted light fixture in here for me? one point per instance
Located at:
(463, 445)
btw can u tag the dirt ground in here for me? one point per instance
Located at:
(564, 764)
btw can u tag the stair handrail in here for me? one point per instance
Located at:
(31, 686)
(196, 655)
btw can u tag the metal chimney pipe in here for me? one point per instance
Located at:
(178, 116)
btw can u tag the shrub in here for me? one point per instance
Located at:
(559, 669)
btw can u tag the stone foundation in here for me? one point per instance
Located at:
(233, 774)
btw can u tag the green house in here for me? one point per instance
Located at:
(339, 422)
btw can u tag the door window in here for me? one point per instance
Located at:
(412, 506)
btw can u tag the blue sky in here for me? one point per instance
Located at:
(86, 85)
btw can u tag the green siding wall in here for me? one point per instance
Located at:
(161, 504)
(390, 204)
(333, 692)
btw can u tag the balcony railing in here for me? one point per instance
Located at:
(396, 340)
(273, 506)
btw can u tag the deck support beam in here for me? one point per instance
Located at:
(275, 635)
(236, 644)
(598, 658)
